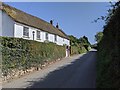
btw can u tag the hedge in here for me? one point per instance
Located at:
(78, 49)
(108, 64)
(18, 53)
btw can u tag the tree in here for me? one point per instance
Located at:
(73, 40)
(80, 45)
(98, 36)
(84, 40)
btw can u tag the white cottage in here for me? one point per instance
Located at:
(16, 23)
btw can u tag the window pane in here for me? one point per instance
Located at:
(55, 37)
(46, 36)
(38, 34)
(26, 31)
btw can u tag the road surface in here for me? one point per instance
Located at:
(78, 71)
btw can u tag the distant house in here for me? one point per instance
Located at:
(16, 23)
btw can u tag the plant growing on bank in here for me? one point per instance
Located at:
(108, 63)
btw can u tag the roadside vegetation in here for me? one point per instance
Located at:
(80, 45)
(108, 63)
(20, 55)
(99, 36)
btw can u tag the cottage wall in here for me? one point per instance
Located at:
(31, 30)
(59, 40)
(7, 25)
(67, 42)
(42, 36)
(18, 32)
(10, 28)
(51, 37)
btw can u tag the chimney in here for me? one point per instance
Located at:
(51, 22)
(57, 26)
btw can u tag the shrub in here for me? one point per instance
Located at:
(18, 53)
(108, 64)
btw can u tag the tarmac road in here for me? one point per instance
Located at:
(78, 71)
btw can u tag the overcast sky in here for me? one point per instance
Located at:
(73, 18)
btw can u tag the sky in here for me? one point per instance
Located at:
(74, 18)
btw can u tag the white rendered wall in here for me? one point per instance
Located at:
(67, 42)
(51, 37)
(18, 32)
(7, 25)
(31, 33)
(42, 36)
(59, 40)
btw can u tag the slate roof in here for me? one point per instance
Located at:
(33, 21)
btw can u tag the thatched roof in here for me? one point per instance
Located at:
(27, 19)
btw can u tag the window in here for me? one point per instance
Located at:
(55, 38)
(46, 36)
(38, 34)
(26, 31)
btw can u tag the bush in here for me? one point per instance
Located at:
(18, 53)
(108, 64)
(77, 50)
(74, 50)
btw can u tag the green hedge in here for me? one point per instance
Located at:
(108, 64)
(74, 50)
(18, 53)
(77, 50)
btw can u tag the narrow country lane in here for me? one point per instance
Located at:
(78, 71)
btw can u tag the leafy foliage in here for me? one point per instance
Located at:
(73, 40)
(18, 53)
(108, 64)
(98, 36)
(80, 45)
(84, 40)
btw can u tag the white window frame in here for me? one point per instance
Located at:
(55, 38)
(46, 36)
(38, 35)
(25, 31)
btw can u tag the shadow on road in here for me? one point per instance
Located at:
(58, 78)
